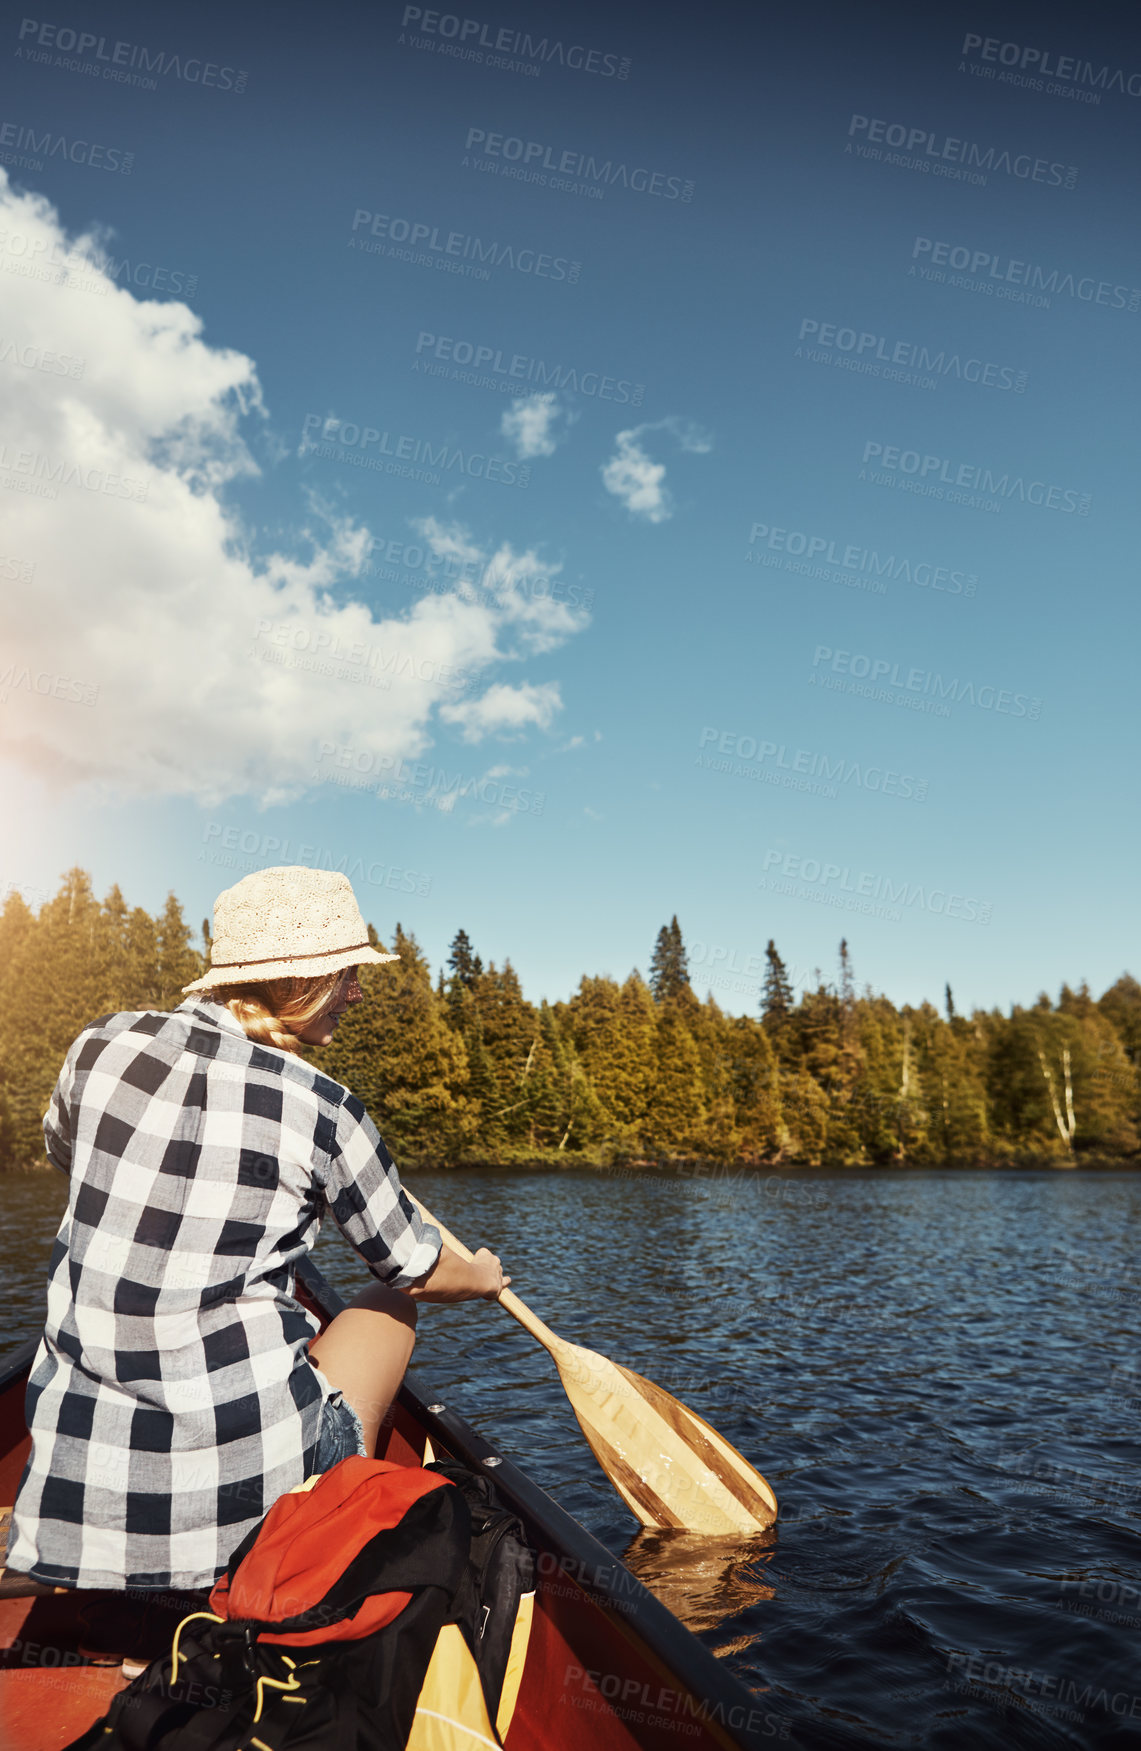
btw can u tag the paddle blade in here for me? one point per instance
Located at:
(668, 1465)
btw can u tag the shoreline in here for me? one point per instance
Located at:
(737, 1170)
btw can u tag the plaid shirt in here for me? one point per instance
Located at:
(171, 1400)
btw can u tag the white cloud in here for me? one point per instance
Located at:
(528, 424)
(639, 483)
(633, 476)
(505, 710)
(524, 591)
(206, 654)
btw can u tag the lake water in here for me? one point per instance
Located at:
(936, 1372)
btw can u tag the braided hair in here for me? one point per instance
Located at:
(269, 1011)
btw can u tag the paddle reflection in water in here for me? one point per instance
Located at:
(706, 1582)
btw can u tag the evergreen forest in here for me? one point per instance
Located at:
(463, 1069)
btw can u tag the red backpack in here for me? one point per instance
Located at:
(320, 1632)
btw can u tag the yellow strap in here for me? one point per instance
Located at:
(174, 1645)
(450, 1711)
(516, 1659)
(274, 1684)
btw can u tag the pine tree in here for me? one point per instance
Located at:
(397, 1054)
(669, 966)
(750, 1067)
(949, 1001)
(482, 1089)
(179, 963)
(613, 1030)
(54, 984)
(464, 964)
(776, 996)
(17, 929)
(511, 1038)
(848, 1068)
(564, 1110)
(951, 1070)
(847, 985)
(676, 1118)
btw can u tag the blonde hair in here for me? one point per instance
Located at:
(270, 1011)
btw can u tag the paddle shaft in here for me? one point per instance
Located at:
(506, 1297)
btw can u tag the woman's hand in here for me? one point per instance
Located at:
(488, 1270)
(453, 1278)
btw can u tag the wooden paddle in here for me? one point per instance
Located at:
(668, 1465)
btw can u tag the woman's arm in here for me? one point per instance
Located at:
(455, 1279)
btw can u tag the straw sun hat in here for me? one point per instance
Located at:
(286, 923)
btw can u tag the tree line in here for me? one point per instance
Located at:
(464, 1069)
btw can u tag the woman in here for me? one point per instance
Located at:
(179, 1388)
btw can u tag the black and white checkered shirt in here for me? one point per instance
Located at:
(171, 1400)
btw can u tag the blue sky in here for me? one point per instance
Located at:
(651, 703)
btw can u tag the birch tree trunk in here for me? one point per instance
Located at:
(1067, 1126)
(904, 1087)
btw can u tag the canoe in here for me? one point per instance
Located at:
(608, 1665)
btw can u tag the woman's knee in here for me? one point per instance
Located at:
(379, 1298)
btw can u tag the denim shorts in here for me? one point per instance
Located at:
(341, 1434)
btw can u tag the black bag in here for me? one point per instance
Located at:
(327, 1679)
(223, 1687)
(500, 1570)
